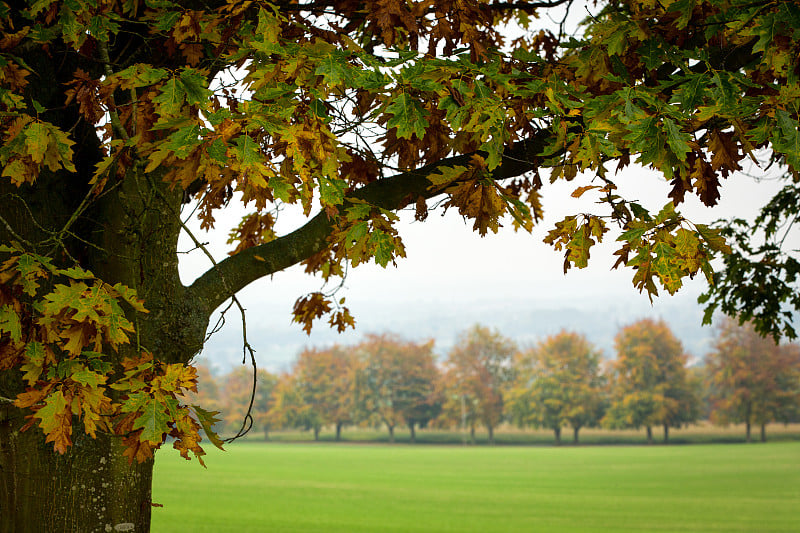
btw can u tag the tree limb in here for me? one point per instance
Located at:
(234, 273)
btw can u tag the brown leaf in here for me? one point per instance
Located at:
(726, 155)
(309, 308)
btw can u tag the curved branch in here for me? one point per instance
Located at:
(234, 273)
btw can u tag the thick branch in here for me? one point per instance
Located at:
(237, 271)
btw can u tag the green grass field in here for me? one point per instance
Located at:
(375, 488)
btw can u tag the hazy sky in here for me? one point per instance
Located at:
(451, 269)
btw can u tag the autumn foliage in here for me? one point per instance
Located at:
(563, 381)
(116, 115)
(753, 380)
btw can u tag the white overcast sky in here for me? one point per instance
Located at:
(451, 267)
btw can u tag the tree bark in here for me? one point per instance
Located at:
(412, 431)
(491, 434)
(575, 434)
(91, 488)
(649, 435)
(338, 431)
(391, 433)
(666, 433)
(557, 433)
(316, 433)
(747, 431)
(763, 432)
(472, 434)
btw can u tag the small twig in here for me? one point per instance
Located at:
(102, 49)
(14, 234)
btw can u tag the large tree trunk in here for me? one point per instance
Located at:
(557, 433)
(316, 433)
(133, 232)
(91, 488)
(491, 433)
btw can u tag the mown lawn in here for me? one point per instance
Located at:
(376, 488)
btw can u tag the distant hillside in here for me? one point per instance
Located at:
(525, 321)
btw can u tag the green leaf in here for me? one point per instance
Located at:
(55, 405)
(37, 138)
(140, 75)
(218, 150)
(685, 7)
(335, 70)
(10, 323)
(170, 100)
(383, 247)
(207, 420)
(331, 191)
(86, 377)
(195, 86)
(33, 366)
(39, 108)
(166, 22)
(408, 117)
(76, 273)
(247, 150)
(677, 139)
(183, 141)
(579, 247)
(787, 138)
(153, 421)
(280, 189)
(445, 175)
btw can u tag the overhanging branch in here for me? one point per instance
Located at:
(237, 271)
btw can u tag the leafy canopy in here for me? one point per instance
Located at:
(358, 109)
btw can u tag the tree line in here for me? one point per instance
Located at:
(562, 382)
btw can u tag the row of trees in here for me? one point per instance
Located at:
(562, 382)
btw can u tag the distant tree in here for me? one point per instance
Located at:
(235, 395)
(478, 370)
(558, 383)
(397, 382)
(648, 381)
(323, 378)
(209, 395)
(288, 409)
(753, 380)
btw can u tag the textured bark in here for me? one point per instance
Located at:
(91, 488)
